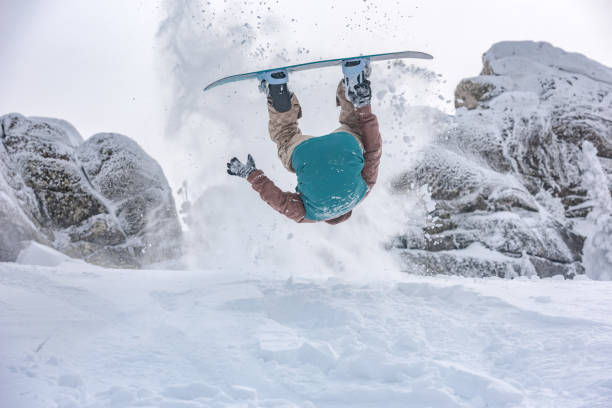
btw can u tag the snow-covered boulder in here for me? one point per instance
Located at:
(25, 190)
(104, 200)
(507, 172)
(15, 225)
(136, 186)
(546, 103)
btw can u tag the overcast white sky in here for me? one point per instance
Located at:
(97, 64)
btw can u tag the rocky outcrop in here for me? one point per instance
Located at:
(104, 200)
(15, 225)
(506, 173)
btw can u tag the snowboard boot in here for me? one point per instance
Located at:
(274, 85)
(356, 73)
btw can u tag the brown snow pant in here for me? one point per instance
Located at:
(284, 130)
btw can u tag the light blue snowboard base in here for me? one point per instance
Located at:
(320, 64)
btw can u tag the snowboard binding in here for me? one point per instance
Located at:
(274, 85)
(356, 73)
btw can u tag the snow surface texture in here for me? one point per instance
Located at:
(78, 335)
(511, 173)
(104, 199)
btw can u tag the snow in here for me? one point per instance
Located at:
(38, 254)
(545, 54)
(598, 245)
(76, 335)
(70, 135)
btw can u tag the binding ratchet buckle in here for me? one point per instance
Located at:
(351, 68)
(274, 77)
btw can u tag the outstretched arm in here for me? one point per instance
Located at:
(372, 144)
(288, 204)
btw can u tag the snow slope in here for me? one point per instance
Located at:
(76, 335)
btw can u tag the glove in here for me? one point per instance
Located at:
(236, 168)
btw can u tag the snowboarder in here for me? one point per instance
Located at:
(336, 171)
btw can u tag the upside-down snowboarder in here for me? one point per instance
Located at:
(336, 171)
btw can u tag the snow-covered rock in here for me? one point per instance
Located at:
(545, 103)
(598, 246)
(22, 213)
(16, 227)
(104, 200)
(507, 172)
(136, 186)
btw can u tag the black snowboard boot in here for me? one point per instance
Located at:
(278, 93)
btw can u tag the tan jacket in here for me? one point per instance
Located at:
(291, 205)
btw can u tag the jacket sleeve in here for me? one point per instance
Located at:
(372, 144)
(288, 204)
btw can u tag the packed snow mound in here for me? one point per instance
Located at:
(507, 172)
(41, 255)
(104, 200)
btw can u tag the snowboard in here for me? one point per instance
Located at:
(319, 64)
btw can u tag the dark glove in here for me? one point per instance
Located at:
(236, 168)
